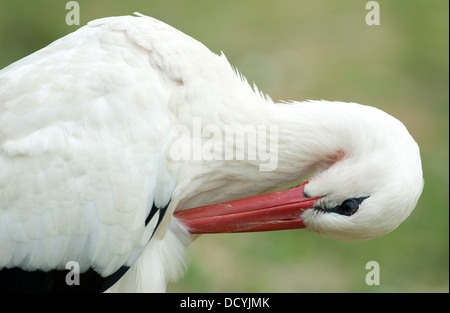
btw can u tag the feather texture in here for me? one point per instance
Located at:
(88, 126)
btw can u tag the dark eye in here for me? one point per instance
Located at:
(348, 207)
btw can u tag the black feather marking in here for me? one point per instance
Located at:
(151, 214)
(19, 280)
(162, 212)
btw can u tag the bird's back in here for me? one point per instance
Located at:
(84, 124)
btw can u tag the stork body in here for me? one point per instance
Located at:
(88, 131)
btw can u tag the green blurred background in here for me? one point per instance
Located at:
(306, 50)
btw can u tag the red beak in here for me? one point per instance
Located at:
(274, 211)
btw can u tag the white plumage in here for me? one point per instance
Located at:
(86, 127)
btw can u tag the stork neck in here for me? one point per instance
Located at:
(313, 135)
(271, 147)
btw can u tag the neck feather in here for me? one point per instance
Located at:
(272, 146)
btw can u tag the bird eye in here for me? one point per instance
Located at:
(348, 207)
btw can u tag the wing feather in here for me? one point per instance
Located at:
(84, 124)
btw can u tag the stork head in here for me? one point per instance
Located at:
(368, 180)
(364, 196)
(374, 183)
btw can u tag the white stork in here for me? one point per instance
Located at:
(89, 127)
